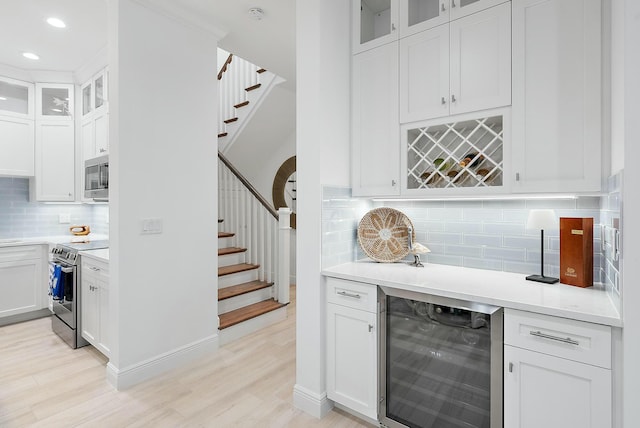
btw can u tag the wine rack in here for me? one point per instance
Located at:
(467, 153)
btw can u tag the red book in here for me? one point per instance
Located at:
(576, 251)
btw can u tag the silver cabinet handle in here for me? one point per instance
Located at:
(443, 8)
(444, 101)
(346, 294)
(453, 98)
(393, 27)
(103, 150)
(510, 367)
(393, 183)
(93, 268)
(453, 3)
(552, 337)
(370, 328)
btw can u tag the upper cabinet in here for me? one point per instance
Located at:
(54, 101)
(420, 15)
(556, 95)
(458, 67)
(16, 128)
(95, 116)
(374, 23)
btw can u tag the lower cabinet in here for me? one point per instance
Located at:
(23, 283)
(352, 354)
(94, 297)
(557, 372)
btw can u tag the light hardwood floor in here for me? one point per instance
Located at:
(248, 383)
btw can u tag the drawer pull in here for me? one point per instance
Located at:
(346, 294)
(551, 337)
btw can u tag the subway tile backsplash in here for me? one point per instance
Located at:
(488, 234)
(21, 218)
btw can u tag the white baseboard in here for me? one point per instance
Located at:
(317, 405)
(136, 373)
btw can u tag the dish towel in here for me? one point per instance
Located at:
(56, 286)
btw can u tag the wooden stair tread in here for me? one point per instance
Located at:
(237, 290)
(230, 250)
(260, 71)
(239, 315)
(225, 235)
(220, 220)
(254, 87)
(233, 119)
(242, 104)
(223, 134)
(241, 267)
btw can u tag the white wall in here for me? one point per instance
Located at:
(617, 85)
(163, 165)
(631, 208)
(323, 94)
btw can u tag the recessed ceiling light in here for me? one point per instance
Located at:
(55, 22)
(30, 55)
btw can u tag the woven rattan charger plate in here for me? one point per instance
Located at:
(383, 234)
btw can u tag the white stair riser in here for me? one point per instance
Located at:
(237, 331)
(231, 259)
(237, 278)
(227, 242)
(237, 302)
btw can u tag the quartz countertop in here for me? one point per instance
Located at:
(101, 254)
(50, 240)
(505, 289)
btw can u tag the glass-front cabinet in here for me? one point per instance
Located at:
(94, 94)
(16, 98)
(54, 101)
(375, 23)
(464, 156)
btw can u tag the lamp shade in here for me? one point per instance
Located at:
(542, 219)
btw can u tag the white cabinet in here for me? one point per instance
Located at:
(95, 326)
(458, 67)
(95, 116)
(375, 127)
(556, 95)
(352, 345)
(23, 282)
(374, 23)
(55, 143)
(557, 372)
(16, 128)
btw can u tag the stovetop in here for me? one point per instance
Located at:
(68, 252)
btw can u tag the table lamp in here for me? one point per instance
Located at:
(542, 219)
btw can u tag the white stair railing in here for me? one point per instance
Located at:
(263, 231)
(235, 76)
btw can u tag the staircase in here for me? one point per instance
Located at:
(242, 88)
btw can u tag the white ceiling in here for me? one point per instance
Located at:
(269, 43)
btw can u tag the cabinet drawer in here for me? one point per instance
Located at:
(574, 340)
(20, 252)
(357, 295)
(95, 268)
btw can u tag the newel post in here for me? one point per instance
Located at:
(284, 258)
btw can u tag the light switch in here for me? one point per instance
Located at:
(151, 225)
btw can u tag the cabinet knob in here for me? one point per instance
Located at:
(443, 8)
(517, 176)
(102, 150)
(393, 27)
(510, 367)
(443, 101)
(453, 3)
(393, 183)
(370, 328)
(453, 98)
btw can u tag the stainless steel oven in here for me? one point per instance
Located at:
(440, 362)
(64, 288)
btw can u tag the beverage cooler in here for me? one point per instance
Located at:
(440, 362)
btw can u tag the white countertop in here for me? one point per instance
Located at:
(505, 289)
(101, 254)
(50, 240)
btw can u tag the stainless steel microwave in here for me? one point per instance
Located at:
(96, 178)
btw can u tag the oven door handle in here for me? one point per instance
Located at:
(66, 269)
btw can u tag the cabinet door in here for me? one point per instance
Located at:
(374, 23)
(460, 8)
(90, 312)
(424, 75)
(16, 98)
(87, 98)
(100, 91)
(375, 126)
(419, 15)
(21, 285)
(101, 134)
(104, 343)
(551, 392)
(352, 359)
(17, 147)
(481, 60)
(88, 139)
(55, 161)
(556, 95)
(54, 101)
